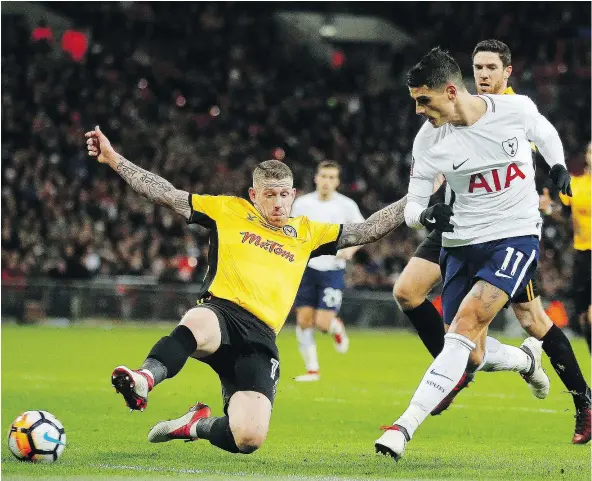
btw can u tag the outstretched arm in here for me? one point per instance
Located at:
(149, 185)
(375, 227)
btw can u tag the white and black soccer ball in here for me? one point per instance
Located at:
(37, 436)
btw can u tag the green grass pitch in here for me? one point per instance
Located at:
(495, 430)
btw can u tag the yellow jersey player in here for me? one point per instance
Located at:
(580, 205)
(257, 257)
(492, 68)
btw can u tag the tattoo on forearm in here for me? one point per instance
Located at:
(153, 187)
(375, 227)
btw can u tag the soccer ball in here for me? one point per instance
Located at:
(37, 436)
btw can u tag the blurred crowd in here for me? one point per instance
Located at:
(201, 92)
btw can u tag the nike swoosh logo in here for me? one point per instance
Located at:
(499, 274)
(455, 167)
(438, 374)
(47, 437)
(431, 221)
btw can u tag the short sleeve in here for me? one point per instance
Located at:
(324, 237)
(205, 209)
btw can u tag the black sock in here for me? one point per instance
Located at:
(557, 347)
(217, 431)
(171, 353)
(588, 334)
(429, 325)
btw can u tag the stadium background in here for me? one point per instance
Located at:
(199, 93)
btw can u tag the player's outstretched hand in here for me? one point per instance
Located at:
(560, 177)
(99, 146)
(437, 217)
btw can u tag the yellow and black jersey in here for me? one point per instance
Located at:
(580, 210)
(253, 264)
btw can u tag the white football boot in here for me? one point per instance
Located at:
(537, 379)
(392, 442)
(310, 376)
(341, 341)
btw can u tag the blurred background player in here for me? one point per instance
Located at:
(320, 293)
(580, 213)
(492, 67)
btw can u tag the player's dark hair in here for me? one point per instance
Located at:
(434, 70)
(329, 164)
(495, 46)
(271, 169)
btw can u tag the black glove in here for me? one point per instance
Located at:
(437, 217)
(560, 177)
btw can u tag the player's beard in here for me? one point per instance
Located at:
(496, 88)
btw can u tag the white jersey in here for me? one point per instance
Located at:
(337, 210)
(489, 171)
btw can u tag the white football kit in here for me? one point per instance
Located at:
(489, 171)
(337, 210)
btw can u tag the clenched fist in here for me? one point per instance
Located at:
(99, 146)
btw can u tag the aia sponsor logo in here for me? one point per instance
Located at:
(270, 246)
(497, 183)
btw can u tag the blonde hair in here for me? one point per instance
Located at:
(271, 169)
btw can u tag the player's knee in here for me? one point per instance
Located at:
(305, 320)
(472, 313)
(406, 296)
(248, 440)
(205, 327)
(524, 316)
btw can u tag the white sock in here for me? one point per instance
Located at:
(148, 373)
(336, 327)
(438, 381)
(501, 357)
(307, 347)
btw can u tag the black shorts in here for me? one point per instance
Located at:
(248, 358)
(581, 280)
(430, 248)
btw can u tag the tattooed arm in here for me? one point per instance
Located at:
(375, 227)
(152, 186)
(143, 182)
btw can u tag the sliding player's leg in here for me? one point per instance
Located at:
(198, 331)
(245, 423)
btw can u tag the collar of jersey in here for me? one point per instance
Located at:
(262, 221)
(487, 111)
